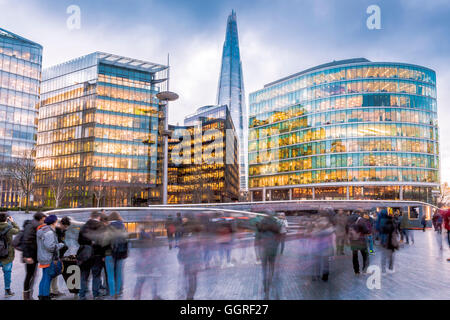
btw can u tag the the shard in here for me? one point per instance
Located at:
(231, 93)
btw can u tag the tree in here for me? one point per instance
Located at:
(22, 170)
(57, 184)
(99, 190)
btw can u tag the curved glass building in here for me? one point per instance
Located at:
(20, 77)
(350, 129)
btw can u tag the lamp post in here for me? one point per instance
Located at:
(166, 96)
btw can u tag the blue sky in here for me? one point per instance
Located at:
(277, 38)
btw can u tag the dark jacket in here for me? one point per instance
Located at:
(29, 239)
(360, 226)
(91, 233)
(268, 235)
(388, 230)
(111, 232)
(14, 230)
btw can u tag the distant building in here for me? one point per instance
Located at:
(203, 158)
(231, 93)
(20, 76)
(350, 129)
(99, 126)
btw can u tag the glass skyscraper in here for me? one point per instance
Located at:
(350, 129)
(231, 93)
(205, 168)
(99, 126)
(20, 75)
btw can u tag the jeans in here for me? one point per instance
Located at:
(388, 255)
(29, 277)
(7, 269)
(370, 242)
(225, 249)
(365, 256)
(448, 237)
(44, 285)
(114, 271)
(95, 264)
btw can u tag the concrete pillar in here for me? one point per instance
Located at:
(401, 192)
(251, 196)
(348, 194)
(313, 193)
(290, 193)
(264, 194)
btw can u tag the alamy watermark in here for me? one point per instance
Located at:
(374, 20)
(73, 22)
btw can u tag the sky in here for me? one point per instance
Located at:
(277, 38)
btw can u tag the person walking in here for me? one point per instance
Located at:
(190, 257)
(357, 231)
(170, 230)
(269, 241)
(91, 254)
(29, 253)
(48, 254)
(116, 251)
(148, 267)
(390, 243)
(283, 230)
(370, 227)
(178, 228)
(424, 222)
(8, 228)
(341, 221)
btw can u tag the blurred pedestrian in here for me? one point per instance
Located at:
(389, 244)
(170, 230)
(269, 233)
(424, 222)
(357, 231)
(190, 258)
(341, 221)
(283, 230)
(148, 267)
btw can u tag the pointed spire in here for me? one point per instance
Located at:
(231, 90)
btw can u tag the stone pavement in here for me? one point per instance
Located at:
(422, 272)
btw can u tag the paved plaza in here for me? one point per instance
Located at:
(422, 272)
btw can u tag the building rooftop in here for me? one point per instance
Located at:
(9, 34)
(321, 66)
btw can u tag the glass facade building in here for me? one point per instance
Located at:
(20, 76)
(231, 93)
(99, 126)
(350, 129)
(203, 158)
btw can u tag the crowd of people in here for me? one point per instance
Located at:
(99, 247)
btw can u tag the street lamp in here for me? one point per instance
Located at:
(166, 96)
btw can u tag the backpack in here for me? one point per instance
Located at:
(17, 242)
(394, 240)
(4, 245)
(353, 234)
(119, 247)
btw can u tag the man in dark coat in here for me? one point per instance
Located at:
(29, 254)
(91, 235)
(356, 229)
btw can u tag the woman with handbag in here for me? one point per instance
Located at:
(48, 255)
(390, 243)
